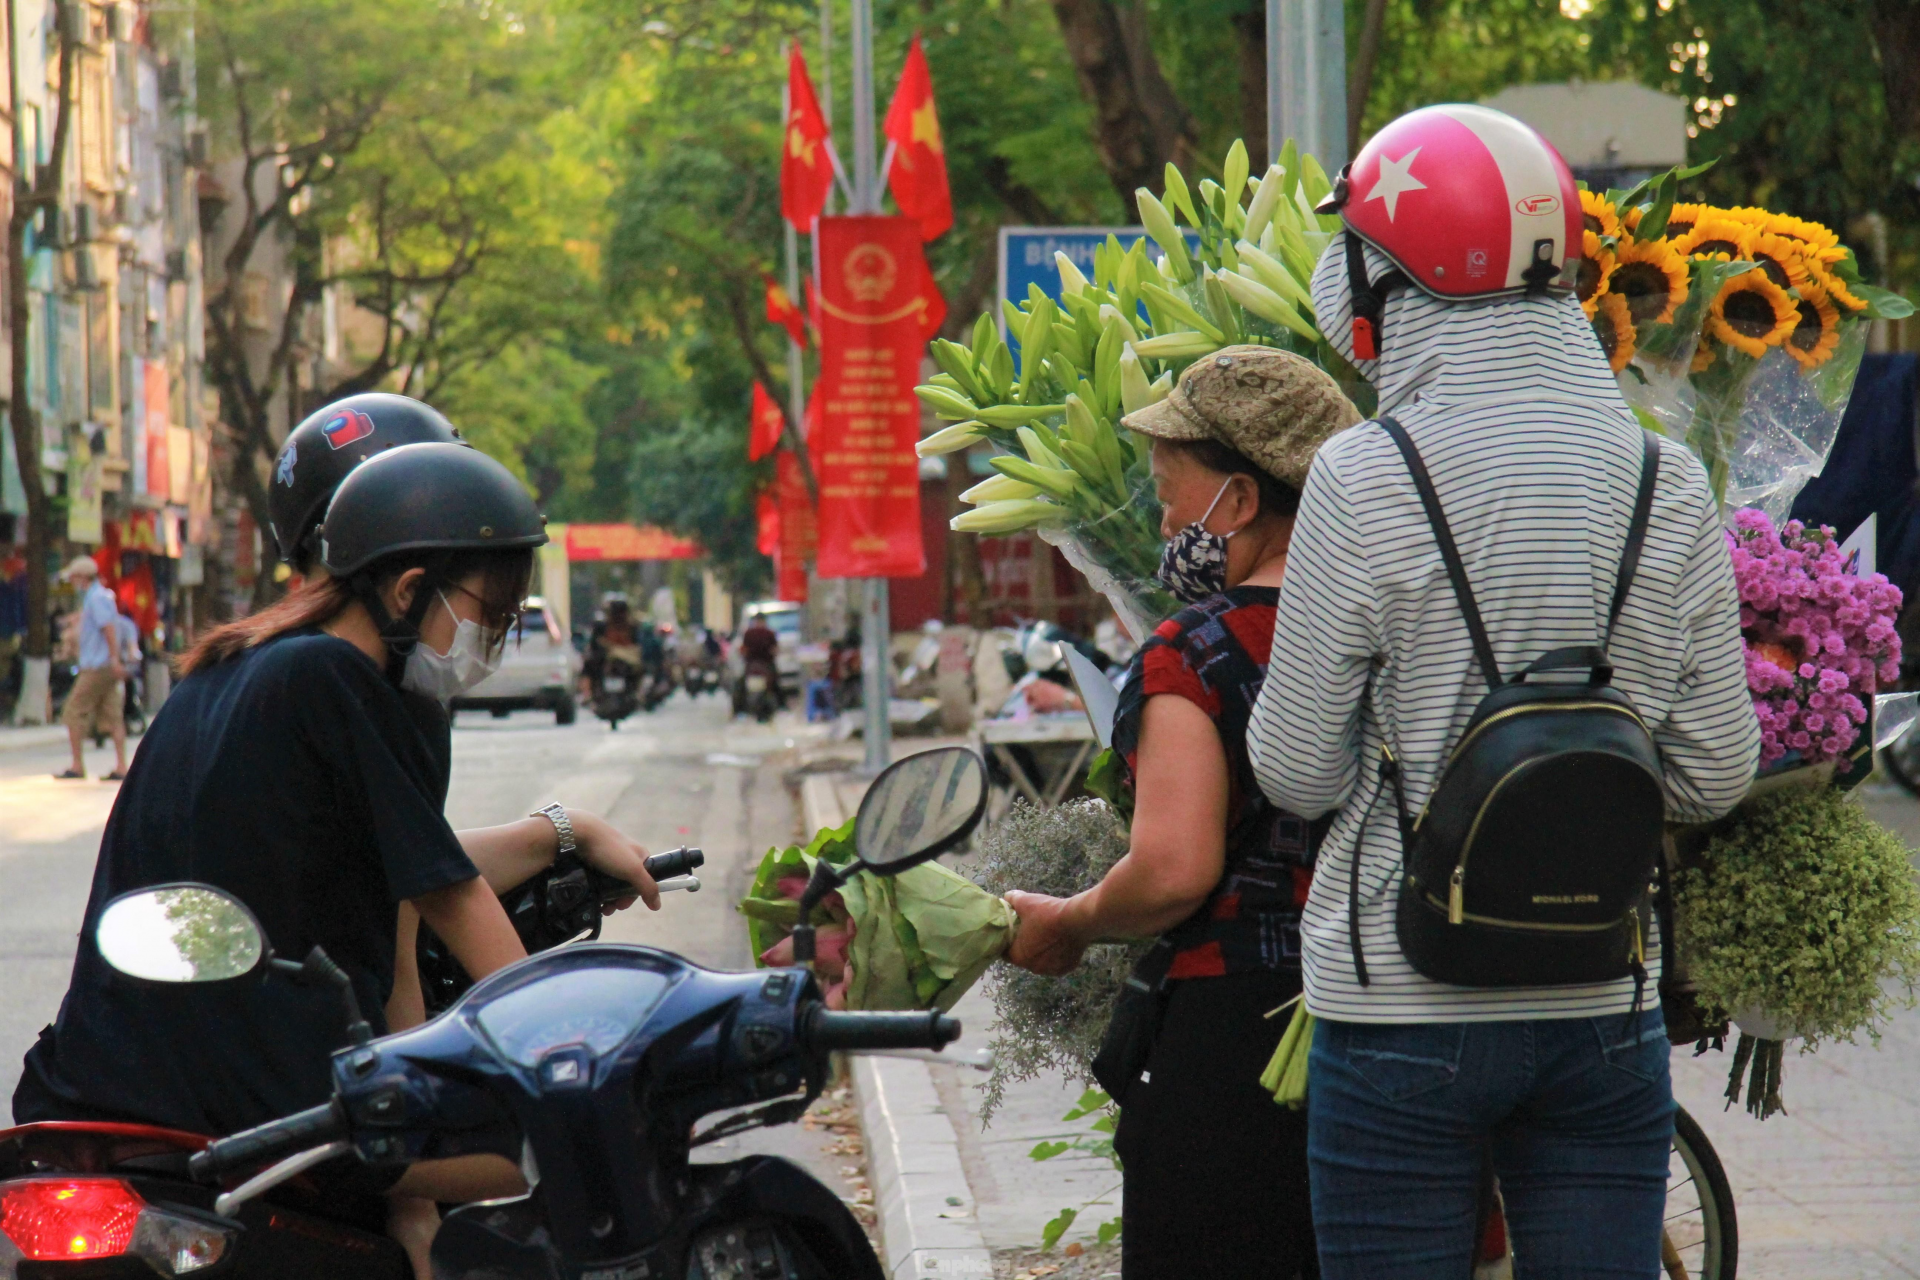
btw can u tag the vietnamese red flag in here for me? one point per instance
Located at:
(806, 168)
(763, 437)
(781, 311)
(873, 331)
(918, 176)
(135, 595)
(766, 519)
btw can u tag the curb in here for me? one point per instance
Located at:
(928, 1226)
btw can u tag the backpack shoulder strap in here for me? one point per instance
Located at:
(1636, 531)
(1456, 571)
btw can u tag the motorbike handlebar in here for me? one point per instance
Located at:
(314, 1127)
(825, 1030)
(675, 862)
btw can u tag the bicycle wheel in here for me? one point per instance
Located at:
(1702, 1239)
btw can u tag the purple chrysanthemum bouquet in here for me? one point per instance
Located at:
(1819, 639)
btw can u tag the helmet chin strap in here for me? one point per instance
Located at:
(1369, 299)
(401, 634)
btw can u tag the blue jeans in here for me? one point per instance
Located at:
(1576, 1115)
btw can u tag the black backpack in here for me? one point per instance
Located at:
(1533, 859)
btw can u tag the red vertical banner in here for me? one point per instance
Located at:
(874, 307)
(766, 523)
(799, 530)
(158, 404)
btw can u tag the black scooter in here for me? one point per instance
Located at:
(591, 1065)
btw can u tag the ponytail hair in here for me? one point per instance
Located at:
(315, 603)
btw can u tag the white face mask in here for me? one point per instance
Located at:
(445, 676)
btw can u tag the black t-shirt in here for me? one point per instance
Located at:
(297, 779)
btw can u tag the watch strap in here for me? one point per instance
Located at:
(556, 813)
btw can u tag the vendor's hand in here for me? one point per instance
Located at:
(605, 849)
(1045, 696)
(1046, 941)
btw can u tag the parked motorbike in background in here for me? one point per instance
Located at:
(592, 1065)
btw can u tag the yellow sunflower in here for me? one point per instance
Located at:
(1834, 287)
(1702, 358)
(1590, 280)
(1822, 243)
(1752, 215)
(1717, 234)
(1782, 258)
(1752, 313)
(1816, 331)
(1651, 277)
(1598, 213)
(1682, 219)
(1613, 326)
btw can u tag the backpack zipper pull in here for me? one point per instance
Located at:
(1457, 896)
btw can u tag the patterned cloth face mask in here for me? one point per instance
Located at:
(1194, 564)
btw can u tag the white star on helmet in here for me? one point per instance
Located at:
(1395, 180)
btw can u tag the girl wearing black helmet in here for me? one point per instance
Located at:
(288, 768)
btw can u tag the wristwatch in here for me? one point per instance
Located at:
(562, 826)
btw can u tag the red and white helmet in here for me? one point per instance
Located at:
(1466, 201)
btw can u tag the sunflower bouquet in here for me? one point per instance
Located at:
(1737, 330)
(1116, 343)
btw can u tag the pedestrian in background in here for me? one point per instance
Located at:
(97, 692)
(1508, 405)
(1215, 1180)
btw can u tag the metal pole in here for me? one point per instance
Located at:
(876, 661)
(866, 197)
(1276, 53)
(1307, 79)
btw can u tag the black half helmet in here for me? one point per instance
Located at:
(426, 497)
(321, 451)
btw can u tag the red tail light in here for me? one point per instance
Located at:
(69, 1219)
(75, 1219)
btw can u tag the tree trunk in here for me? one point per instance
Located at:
(26, 429)
(1896, 29)
(1250, 32)
(1139, 123)
(1360, 86)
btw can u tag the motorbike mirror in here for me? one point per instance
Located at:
(919, 808)
(180, 933)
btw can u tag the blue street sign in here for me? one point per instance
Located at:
(1026, 258)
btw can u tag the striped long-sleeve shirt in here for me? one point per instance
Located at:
(1536, 460)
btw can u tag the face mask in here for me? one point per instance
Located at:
(1194, 564)
(444, 676)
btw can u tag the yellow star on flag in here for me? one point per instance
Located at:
(926, 127)
(800, 147)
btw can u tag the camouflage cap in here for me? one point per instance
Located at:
(1271, 406)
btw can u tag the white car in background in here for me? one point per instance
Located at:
(539, 670)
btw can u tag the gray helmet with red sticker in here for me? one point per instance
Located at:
(322, 450)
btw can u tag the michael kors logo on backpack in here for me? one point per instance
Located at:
(1564, 899)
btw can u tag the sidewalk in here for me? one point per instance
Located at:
(26, 737)
(955, 1197)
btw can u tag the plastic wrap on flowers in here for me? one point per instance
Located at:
(1787, 425)
(1118, 554)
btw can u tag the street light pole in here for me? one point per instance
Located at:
(1307, 79)
(876, 661)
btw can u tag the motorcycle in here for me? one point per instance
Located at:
(591, 1064)
(616, 689)
(759, 692)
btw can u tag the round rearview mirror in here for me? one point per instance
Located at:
(179, 933)
(919, 808)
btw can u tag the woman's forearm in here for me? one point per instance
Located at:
(407, 1006)
(1132, 902)
(511, 853)
(469, 919)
